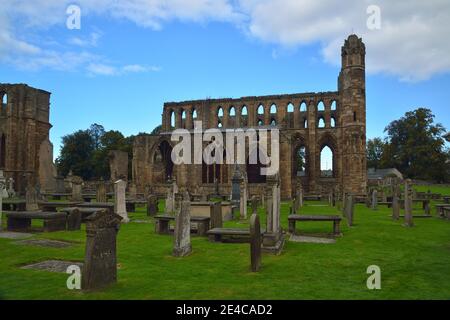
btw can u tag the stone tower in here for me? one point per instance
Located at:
(352, 92)
(25, 149)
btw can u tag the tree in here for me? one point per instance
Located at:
(375, 148)
(77, 154)
(157, 130)
(416, 147)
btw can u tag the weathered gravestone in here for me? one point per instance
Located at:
(349, 210)
(100, 262)
(132, 191)
(216, 215)
(77, 184)
(375, 199)
(395, 207)
(255, 243)
(254, 205)
(31, 198)
(408, 204)
(152, 205)
(182, 241)
(2, 187)
(101, 192)
(119, 200)
(243, 201)
(73, 219)
(273, 239)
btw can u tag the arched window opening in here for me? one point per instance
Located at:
(172, 119)
(220, 112)
(183, 119)
(244, 110)
(5, 98)
(219, 125)
(305, 123)
(163, 155)
(300, 162)
(261, 109)
(290, 107)
(333, 105)
(321, 123)
(321, 106)
(326, 162)
(303, 107)
(194, 114)
(244, 115)
(333, 122)
(273, 122)
(260, 122)
(232, 112)
(273, 108)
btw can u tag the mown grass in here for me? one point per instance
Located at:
(414, 263)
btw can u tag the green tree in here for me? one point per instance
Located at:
(375, 149)
(77, 154)
(416, 147)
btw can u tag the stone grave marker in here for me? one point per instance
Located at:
(375, 199)
(101, 192)
(119, 200)
(100, 262)
(255, 243)
(182, 241)
(152, 205)
(216, 215)
(408, 204)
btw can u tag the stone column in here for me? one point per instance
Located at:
(408, 204)
(182, 242)
(255, 243)
(119, 200)
(2, 187)
(100, 262)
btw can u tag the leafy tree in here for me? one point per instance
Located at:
(375, 148)
(156, 130)
(77, 154)
(416, 147)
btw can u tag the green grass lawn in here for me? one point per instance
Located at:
(414, 263)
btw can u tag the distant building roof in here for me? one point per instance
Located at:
(373, 174)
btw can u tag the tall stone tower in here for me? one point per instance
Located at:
(26, 153)
(352, 92)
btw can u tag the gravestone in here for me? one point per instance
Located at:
(101, 192)
(255, 243)
(152, 205)
(395, 207)
(408, 204)
(77, 184)
(100, 262)
(11, 191)
(243, 201)
(2, 187)
(344, 198)
(273, 240)
(216, 215)
(119, 200)
(182, 241)
(349, 210)
(73, 219)
(236, 181)
(170, 201)
(375, 199)
(254, 205)
(31, 198)
(132, 194)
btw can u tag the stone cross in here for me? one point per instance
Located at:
(120, 201)
(152, 205)
(375, 199)
(216, 215)
(408, 204)
(182, 242)
(349, 210)
(2, 187)
(255, 243)
(101, 192)
(100, 262)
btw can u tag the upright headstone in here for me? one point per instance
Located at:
(73, 219)
(216, 215)
(243, 201)
(395, 207)
(408, 204)
(152, 205)
(77, 184)
(375, 199)
(100, 262)
(344, 201)
(349, 210)
(31, 197)
(101, 192)
(254, 205)
(182, 241)
(132, 191)
(2, 186)
(120, 201)
(11, 191)
(273, 240)
(255, 243)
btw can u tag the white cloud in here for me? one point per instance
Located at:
(109, 70)
(411, 44)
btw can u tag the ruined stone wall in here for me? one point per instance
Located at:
(24, 132)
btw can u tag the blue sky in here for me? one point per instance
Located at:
(118, 71)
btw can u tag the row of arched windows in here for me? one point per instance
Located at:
(301, 162)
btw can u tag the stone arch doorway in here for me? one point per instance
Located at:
(162, 158)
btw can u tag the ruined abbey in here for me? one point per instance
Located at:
(307, 122)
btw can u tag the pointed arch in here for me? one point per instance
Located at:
(260, 109)
(273, 109)
(290, 107)
(303, 107)
(321, 106)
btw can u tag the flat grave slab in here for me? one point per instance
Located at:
(52, 265)
(306, 239)
(15, 235)
(45, 243)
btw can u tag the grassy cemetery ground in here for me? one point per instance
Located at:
(414, 263)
